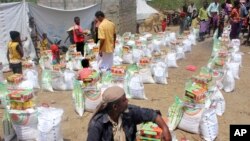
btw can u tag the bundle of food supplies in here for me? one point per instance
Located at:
(15, 78)
(21, 99)
(27, 64)
(149, 131)
(59, 67)
(76, 54)
(203, 80)
(92, 79)
(144, 61)
(195, 93)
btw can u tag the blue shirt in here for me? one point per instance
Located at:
(100, 128)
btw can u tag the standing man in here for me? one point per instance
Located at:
(15, 52)
(204, 21)
(107, 37)
(34, 36)
(191, 9)
(78, 36)
(213, 13)
(243, 13)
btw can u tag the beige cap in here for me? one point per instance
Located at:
(112, 94)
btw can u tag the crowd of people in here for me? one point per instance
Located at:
(215, 16)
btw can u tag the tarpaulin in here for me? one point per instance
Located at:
(13, 16)
(56, 22)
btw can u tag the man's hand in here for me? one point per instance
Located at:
(165, 131)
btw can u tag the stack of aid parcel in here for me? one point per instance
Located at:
(195, 93)
(203, 80)
(15, 78)
(149, 132)
(23, 113)
(21, 99)
(91, 80)
(118, 73)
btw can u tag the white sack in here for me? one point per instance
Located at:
(209, 125)
(49, 124)
(228, 82)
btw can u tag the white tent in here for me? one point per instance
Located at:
(143, 10)
(13, 16)
(54, 22)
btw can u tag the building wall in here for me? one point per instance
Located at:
(121, 12)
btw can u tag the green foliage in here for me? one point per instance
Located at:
(175, 4)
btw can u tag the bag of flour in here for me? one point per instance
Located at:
(25, 123)
(235, 68)
(47, 81)
(32, 76)
(218, 102)
(8, 130)
(228, 82)
(209, 125)
(93, 98)
(171, 60)
(175, 112)
(135, 87)
(58, 82)
(146, 76)
(49, 124)
(180, 54)
(78, 98)
(160, 73)
(190, 121)
(127, 58)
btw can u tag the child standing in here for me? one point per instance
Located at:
(44, 42)
(182, 22)
(55, 51)
(15, 52)
(86, 71)
(164, 25)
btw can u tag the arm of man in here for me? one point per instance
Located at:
(165, 131)
(8, 58)
(101, 36)
(20, 50)
(141, 115)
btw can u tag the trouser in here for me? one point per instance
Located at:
(106, 60)
(182, 26)
(80, 47)
(16, 68)
(234, 30)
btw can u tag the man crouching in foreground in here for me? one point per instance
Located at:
(115, 120)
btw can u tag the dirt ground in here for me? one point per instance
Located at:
(74, 128)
